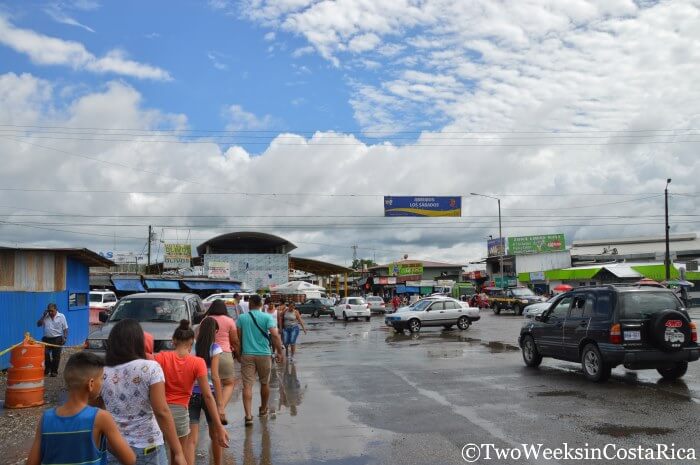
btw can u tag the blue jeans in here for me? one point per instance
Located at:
(156, 456)
(290, 335)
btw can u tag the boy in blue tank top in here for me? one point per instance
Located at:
(76, 433)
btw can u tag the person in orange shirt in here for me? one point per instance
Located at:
(181, 370)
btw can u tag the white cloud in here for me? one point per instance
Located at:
(270, 36)
(57, 14)
(238, 119)
(45, 50)
(215, 59)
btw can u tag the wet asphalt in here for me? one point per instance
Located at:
(357, 393)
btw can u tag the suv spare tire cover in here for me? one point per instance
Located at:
(669, 330)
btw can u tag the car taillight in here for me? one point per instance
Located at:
(348, 307)
(693, 332)
(615, 334)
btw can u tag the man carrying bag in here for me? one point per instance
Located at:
(257, 332)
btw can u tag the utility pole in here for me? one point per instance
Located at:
(354, 254)
(150, 237)
(667, 260)
(501, 241)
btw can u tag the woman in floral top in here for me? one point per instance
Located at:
(134, 393)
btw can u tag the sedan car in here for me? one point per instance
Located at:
(531, 311)
(376, 304)
(158, 313)
(434, 311)
(352, 307)
(316, 307)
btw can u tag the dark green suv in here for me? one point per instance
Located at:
(606, 326)
(316, 307)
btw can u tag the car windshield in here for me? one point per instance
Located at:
(96, 298)
(357, 302)
(641, 305)
(328, 302)
(421, 305)
(523, 292)
(152, 309)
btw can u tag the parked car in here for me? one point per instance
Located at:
(316, 307)
(376, 304)
(515, 298)
(606, 326)
(159, 313)
(531, 311)
(433, 311)
(103, 300)
(352, 307)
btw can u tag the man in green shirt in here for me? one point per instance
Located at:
(257, 332)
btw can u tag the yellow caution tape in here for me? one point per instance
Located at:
(29, 339)
(10, 348)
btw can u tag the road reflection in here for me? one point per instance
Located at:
(286, 391)
(251, 456)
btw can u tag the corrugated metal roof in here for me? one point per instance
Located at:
(86, 256)
(128, 284)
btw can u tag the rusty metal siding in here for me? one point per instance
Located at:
(36, 271)
(19, 312)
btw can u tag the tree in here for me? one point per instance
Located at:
(360, 263)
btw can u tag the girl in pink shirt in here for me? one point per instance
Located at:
(227, 338)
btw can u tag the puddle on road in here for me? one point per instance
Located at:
(496, 347)
(559, 393)
(621, 431)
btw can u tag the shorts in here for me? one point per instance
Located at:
(182, 419)
(226, 366)
(195, 410)
(290, 335)
(251, 364)
(154, 455)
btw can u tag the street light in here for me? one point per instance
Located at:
(667, 260)
(501, 245)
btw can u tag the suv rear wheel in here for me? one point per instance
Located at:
(496, 308)
(531, 356)
(674, 372)
(594, 368)
(517, 309)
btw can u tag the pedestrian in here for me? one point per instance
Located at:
(227, 338)
(245, 303)
(209, 351)
(55, 336)
(273, 309)
(134, 393)
(75, 432)
(291, 321)
(395, 302)
(181, 370)
(257, 331)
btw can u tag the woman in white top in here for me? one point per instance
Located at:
(134, 393)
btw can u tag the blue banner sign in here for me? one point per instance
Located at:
(423, 206)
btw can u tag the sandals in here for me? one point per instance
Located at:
(222, 418)
(249, 421)
(262, 412)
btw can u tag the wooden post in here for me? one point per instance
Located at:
(346, 284)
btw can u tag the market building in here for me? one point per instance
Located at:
(31, 278)
(417, 277)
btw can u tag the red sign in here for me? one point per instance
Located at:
(674, 323)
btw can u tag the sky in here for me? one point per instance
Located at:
(296, 117)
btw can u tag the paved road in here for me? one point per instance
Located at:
(360, 394)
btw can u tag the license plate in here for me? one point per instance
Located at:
(633, 336)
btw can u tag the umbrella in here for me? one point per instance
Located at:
(563, 288)
(648, 282)
(678, 282)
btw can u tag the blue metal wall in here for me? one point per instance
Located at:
(78, 281)
(19, 311)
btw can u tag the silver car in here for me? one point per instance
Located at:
(158, 313)
(433, 311)
(376, 304)
(531, 311)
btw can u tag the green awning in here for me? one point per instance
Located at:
(524, 277)
(692, 275)
(571, 274)
(655, 272)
